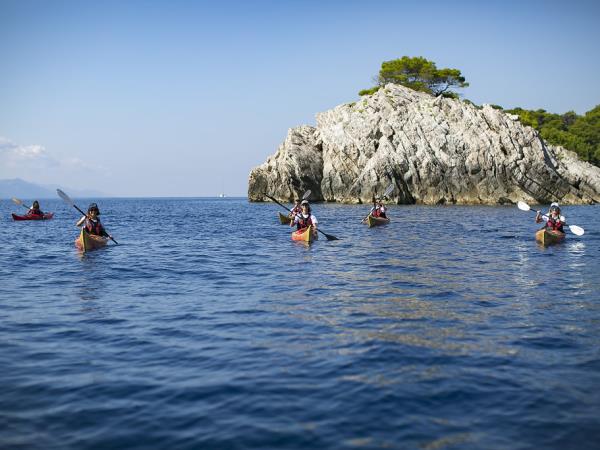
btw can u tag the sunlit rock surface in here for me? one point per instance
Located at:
(433, 150)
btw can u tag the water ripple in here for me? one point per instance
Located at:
(439, 331)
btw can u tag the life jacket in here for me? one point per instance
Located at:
(35, 212)
(94, 227)
(304, 222)
(378, 212)
(555, 224)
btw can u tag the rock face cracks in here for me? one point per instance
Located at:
(433, 150)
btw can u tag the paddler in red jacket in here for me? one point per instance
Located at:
(35, 209)
(91, 222)
(305, 218)
(555, 221)
(378, 209)
(297, 209)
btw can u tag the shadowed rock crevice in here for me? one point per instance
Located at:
(433, 150)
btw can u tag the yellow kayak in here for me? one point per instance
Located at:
(305, 234)
(284, 220)
(87, 242)
(374, 221)
(547, 236)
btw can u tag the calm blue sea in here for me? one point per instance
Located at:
(208, 328)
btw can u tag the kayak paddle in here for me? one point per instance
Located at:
(330, 237)
(68, 201)
(389, 190)
(578, 231)
(20, 202)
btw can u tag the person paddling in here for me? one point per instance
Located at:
(35, 209)
(297, 209)
(555, 221)
(378, 209)
(91, 222)
(305, 218)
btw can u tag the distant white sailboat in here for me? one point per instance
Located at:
(221, 195)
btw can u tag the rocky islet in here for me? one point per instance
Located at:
(434, 150)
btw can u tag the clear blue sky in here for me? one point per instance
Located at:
(178, 98)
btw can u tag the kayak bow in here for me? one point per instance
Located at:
(375, 221)
(284, 220)
(305, 235)
(87, 242)
(546, 236)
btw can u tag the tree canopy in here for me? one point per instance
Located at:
(580, 134)
(419, 74)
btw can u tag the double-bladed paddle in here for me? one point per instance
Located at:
(578, 231)
(387, 192)
(68, 201)
(329, 237)
(20, 202)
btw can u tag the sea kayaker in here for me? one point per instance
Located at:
(297, 209)
(35, 209)
(378, 209)
(555, 221)
(305, 218)
(91, 221)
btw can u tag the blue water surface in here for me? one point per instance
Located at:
(208, 328)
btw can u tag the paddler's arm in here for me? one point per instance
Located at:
(538, 217)
(80, 222)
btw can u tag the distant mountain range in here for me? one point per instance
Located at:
(24, 189)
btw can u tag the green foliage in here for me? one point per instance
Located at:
(369, 91)
(422, 75)
(580, 134)
(449, 94)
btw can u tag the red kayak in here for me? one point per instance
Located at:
(45, 216)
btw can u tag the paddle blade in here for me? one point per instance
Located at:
(306, 195)
(65, 197)
(576, 230)
(389, 190)
(20, 202)
(330, 237)
(523, 206)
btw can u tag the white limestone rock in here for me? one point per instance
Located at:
(434, 151)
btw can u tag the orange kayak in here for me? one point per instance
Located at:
(547, 236)
(374, 221)
(87, 242)
(284, 220)
(305, 234)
